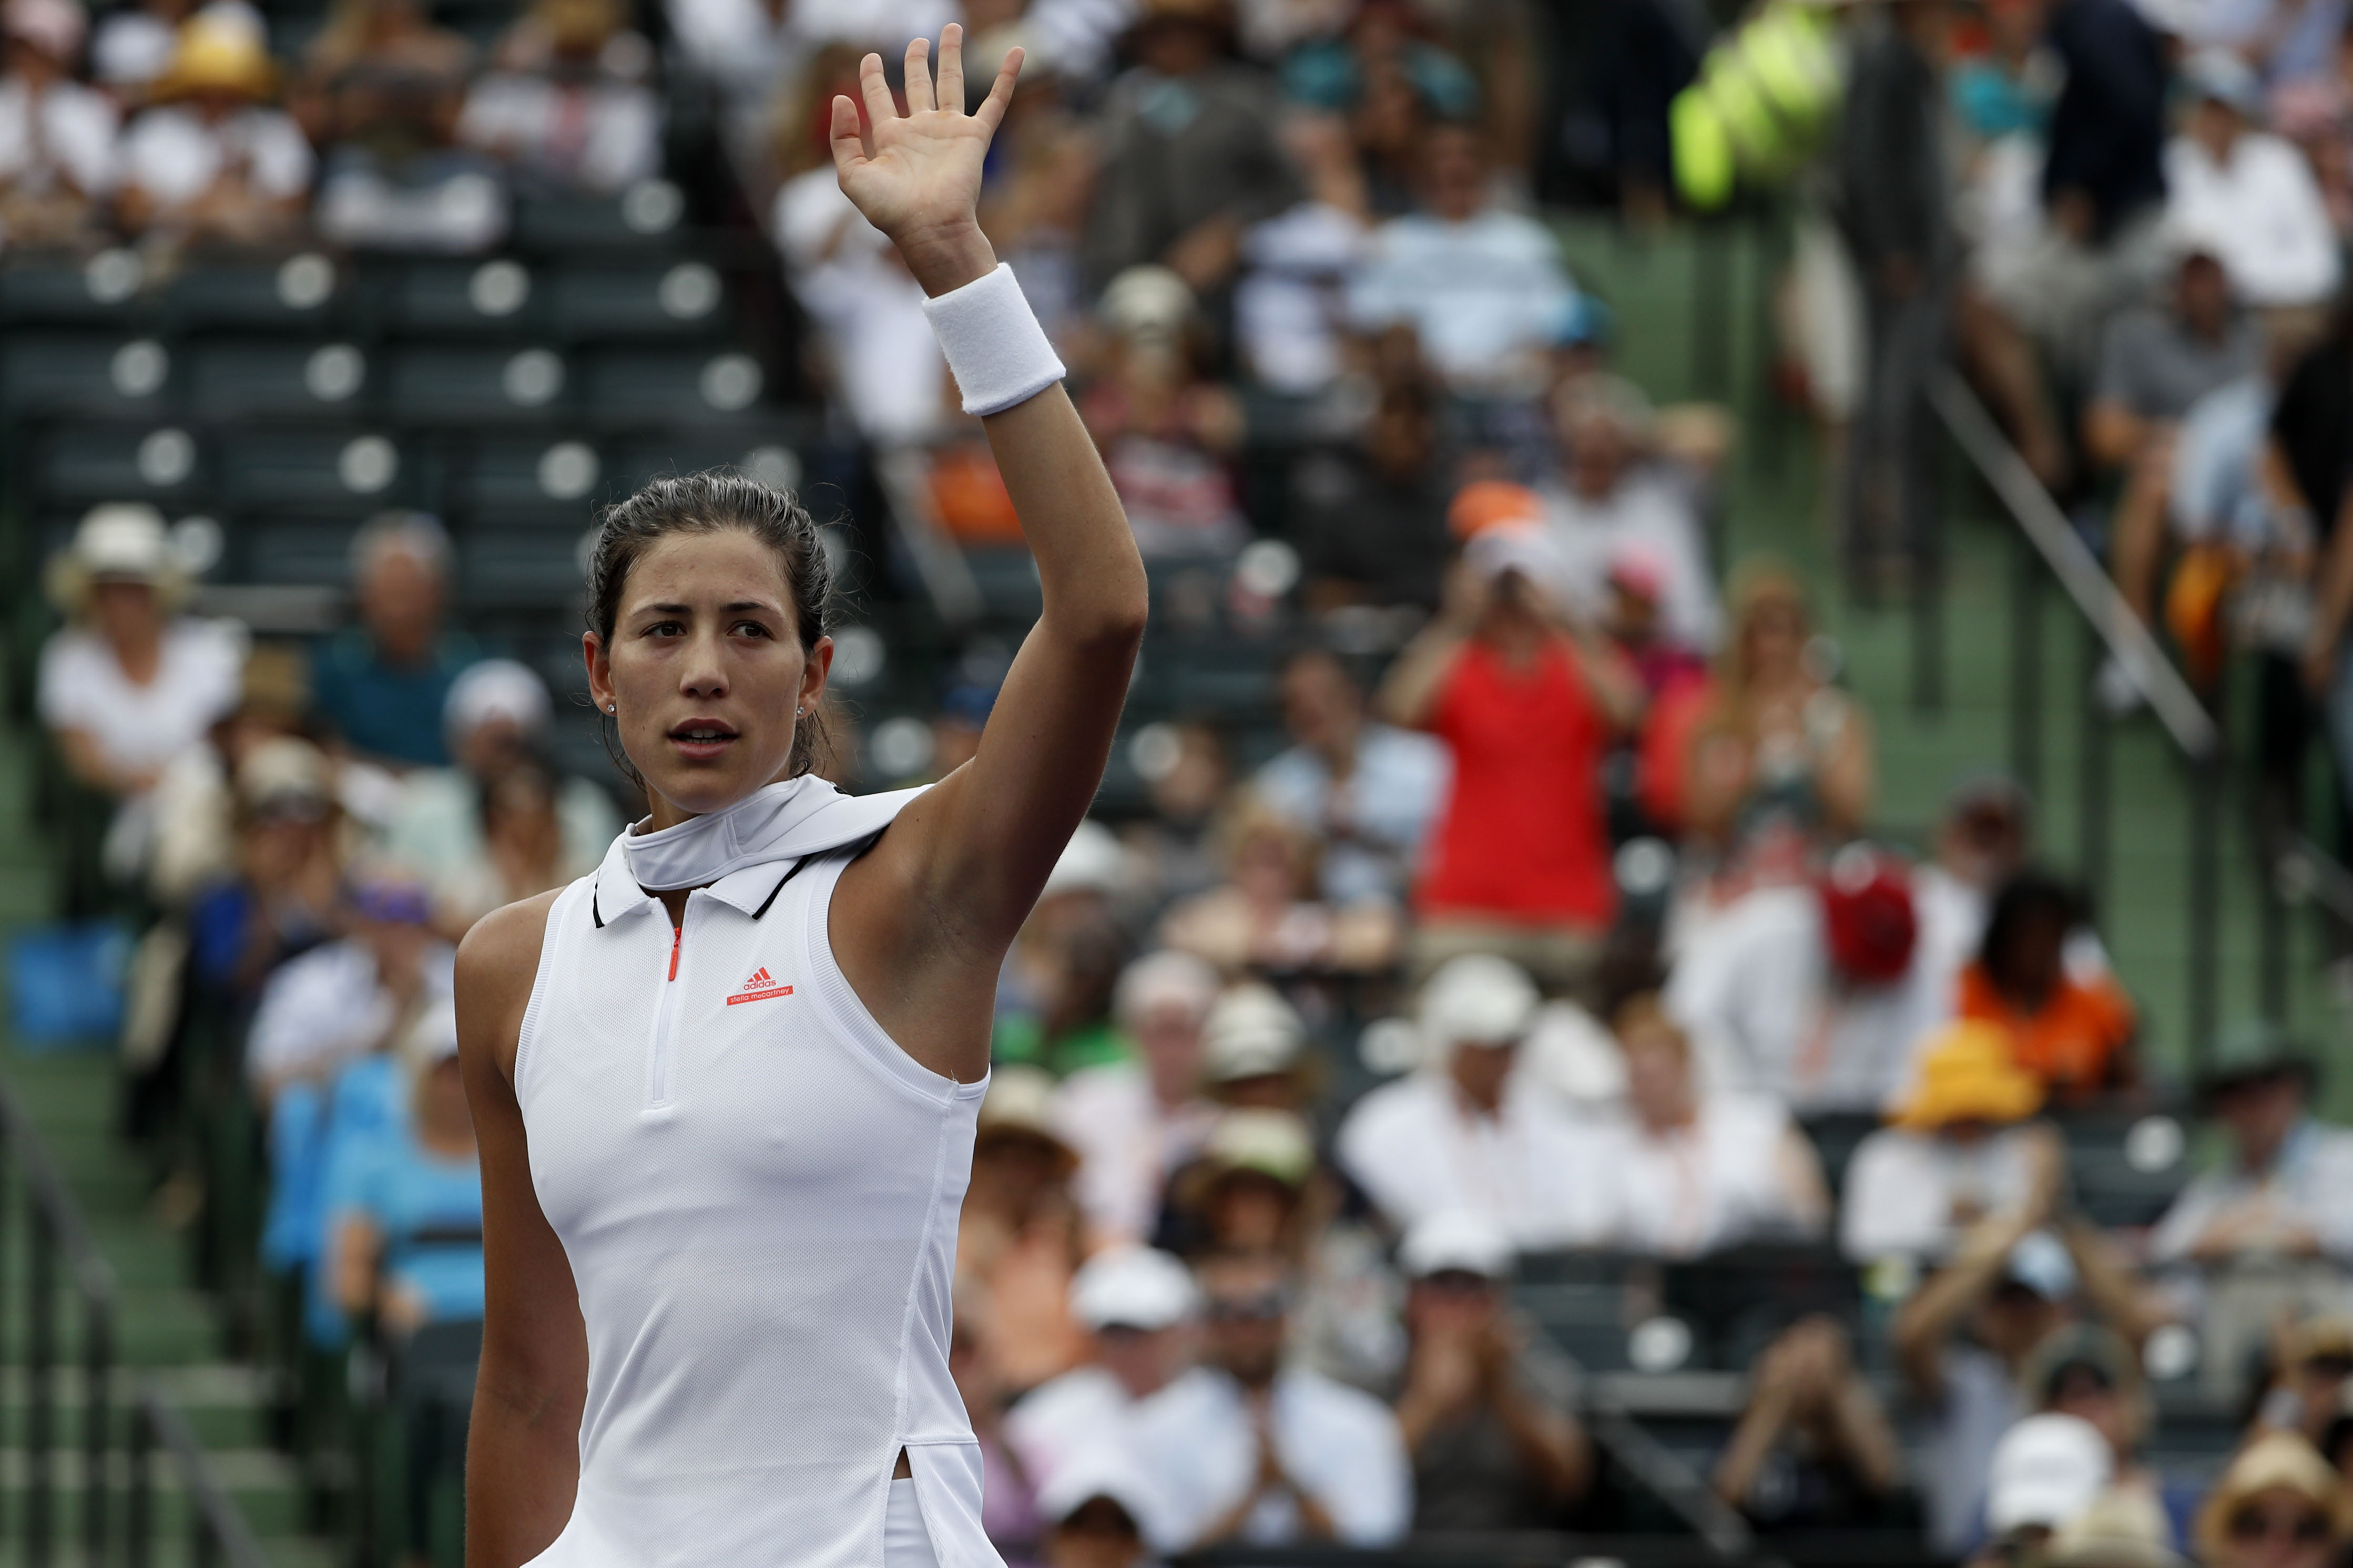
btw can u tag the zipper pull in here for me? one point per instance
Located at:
(677, 935)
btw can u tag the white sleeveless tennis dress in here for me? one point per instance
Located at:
(758, 1191)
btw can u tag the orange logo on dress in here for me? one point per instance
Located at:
(759, 988)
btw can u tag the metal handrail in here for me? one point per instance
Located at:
(217, 1527)
(2079, 572)
(220, 1532)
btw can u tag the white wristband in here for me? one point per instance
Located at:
(994, 347)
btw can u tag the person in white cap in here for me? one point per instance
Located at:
(1249, 1449)
(1136, 1305)
(1095, 1513)
(495, 713)
(1133, 1122)
(2047, 1471)
(1468, 1133)
(128, 684)
(56, 136)
(1492, 1449)
(2248, 196)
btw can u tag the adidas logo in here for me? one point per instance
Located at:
(759, 988)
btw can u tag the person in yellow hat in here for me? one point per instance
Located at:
(1956, 1149)
(211, 159)
(1963, 1179)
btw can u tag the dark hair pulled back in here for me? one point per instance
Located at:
(716, 502)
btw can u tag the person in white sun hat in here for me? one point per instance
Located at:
(129, 682)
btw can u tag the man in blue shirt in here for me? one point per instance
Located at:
(381, 685)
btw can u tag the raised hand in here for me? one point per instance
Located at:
(916, 176)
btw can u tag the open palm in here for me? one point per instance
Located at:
(918, 175)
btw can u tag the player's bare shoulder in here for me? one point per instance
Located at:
(497, 962)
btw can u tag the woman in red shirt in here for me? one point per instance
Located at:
(1527, 702)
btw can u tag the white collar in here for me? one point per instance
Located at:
(783, 821)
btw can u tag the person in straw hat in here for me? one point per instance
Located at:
(2278, 1506)
(126, 684)
(211, 160)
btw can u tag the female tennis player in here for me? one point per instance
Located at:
(725, 1086)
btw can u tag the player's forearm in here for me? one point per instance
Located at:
(1088, 568)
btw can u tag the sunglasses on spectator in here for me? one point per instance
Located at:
(1262, 1308)
(2301, 1526)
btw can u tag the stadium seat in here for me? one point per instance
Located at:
(49, 290)
(1007, 580)
(473, 386)
(497, 298)
(762, 451)
(248, 379)
(2126, 1171)
(648, 216)
(76, 465)
(648, 387)
(683, 300)
(1739, 1300)
(302, 293)
(85, 373)
(1233, 679)
(545, 477)
(341, 472)
(307, 552)
(521, 569)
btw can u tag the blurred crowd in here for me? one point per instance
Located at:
(173, 125)
(1553, 928)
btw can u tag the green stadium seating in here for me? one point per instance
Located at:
(77, 464)
(671, 300)
(477, 384)
(85, 373)
(277, 379)
(350, 471)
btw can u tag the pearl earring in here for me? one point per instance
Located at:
(612, 708)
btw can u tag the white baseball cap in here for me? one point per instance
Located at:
(1477, 997)
(2046, 1470)
(1456, 1241)
(1099, 1472)
(1251, 1032)
(495, 688)
(1132, 1287)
